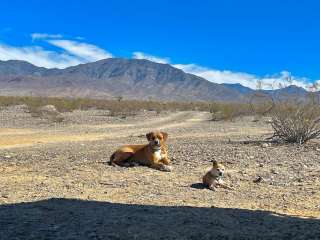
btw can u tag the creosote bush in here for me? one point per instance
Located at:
(229, 111)
(118, 107)
(296, 122)
(123, 108)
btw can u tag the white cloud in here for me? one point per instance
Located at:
(37, 56)
(80, 38)
(36, 36)
(276, 81)
(218, 76)
(69, 52)
(74, 52)
(86, 52)
(141, 55)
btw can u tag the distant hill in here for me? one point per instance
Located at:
(113, 77)
(238, 87)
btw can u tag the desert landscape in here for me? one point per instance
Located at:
(55, 182)
(159, 120)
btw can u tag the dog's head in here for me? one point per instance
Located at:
(217, 169)
(156, 139)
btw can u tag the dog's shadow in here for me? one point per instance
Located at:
(198, 186)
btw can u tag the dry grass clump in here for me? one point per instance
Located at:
(48, 112)
(261, 103)
(229, 111)
(123, 108)
(296, 123)
(116, 107)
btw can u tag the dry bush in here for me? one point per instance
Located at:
(123, 108)
(261, 103)
(229, 111)
(118, 107)
(296, 122)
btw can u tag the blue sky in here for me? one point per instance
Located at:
(224, 41)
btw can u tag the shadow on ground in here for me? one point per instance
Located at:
(198, 186)
(77, 219)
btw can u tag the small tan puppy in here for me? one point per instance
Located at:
(213, 178)
(153, 155)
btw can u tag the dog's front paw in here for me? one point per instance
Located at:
(166, 168)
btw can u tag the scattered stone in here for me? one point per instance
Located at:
(49, 109)
(4, 195)
(268, 121)
(258, 179)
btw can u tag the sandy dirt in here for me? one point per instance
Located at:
(55, 183)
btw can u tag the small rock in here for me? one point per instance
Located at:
(48, 109)
(3, 195)
(274, 171)
(269, 121)
(265, 145)
(7, 156)
(258, 179)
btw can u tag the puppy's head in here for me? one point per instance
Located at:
(217, 169)
(156, 139)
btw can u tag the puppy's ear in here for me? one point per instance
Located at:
(214, 163)
(165, 136)
(148, 136)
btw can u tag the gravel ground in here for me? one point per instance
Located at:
(54, 183)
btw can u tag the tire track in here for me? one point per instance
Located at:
(82, 133)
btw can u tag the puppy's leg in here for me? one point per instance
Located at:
(165, 161)
(212, 187)
(161, 167)
(120, 157)
(225, 186)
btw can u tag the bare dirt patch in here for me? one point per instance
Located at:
(54, 183)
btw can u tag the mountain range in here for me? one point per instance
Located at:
(115, 77)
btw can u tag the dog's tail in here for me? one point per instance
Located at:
(112, 158)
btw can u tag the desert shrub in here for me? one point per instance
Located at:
(123, 108)
(116, 107)
(48, 112)
(296, 122)
(228, 111)
(261, 103)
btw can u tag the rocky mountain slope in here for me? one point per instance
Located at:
(114, 77)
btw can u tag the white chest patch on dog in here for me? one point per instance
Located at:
(157, 154)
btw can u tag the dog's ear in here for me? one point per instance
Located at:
(148, 136)
(214, 163)
(164, 135)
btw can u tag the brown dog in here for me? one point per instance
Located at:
(213, 178)
(153, 155)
